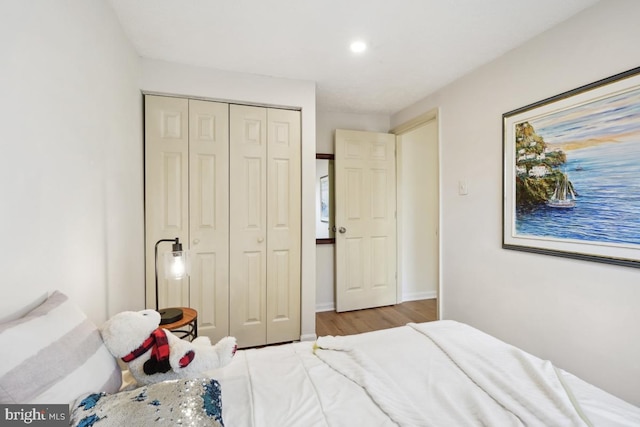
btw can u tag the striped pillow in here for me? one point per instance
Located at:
(54, 354)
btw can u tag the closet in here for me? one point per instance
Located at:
(225, 179)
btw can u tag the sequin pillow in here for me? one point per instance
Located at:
(177, 402)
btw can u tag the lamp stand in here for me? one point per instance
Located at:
(167, 315)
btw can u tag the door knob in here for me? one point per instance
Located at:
(342, 230)
(196, 241)
(260, 239)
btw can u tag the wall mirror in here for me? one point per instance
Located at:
(324, 199)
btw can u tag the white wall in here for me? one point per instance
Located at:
(170, 78)
(326, 124)
(581, 315)
(71, 164)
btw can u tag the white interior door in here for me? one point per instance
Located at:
(209, 216)
(365, 172)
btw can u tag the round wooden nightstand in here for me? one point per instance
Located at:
(189, 320)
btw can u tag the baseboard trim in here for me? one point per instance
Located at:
(327, 306)
(413, 296)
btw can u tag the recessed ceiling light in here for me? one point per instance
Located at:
(358, 46)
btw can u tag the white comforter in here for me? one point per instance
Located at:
(432, 374)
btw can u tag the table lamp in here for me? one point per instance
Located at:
(175, 267)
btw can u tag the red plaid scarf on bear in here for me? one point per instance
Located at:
(158, 344)
(159, 359)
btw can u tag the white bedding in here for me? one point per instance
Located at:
(433, 374)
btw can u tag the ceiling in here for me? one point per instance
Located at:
(415, 47)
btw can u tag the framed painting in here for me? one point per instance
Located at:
(571, 181)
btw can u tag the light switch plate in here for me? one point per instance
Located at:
(463, 189)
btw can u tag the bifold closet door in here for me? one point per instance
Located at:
(225, 179)
(264, 284)
(187, 196)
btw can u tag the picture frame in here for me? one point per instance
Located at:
(324, 198)
(571, 173)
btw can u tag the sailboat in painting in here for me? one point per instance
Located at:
(563, 195)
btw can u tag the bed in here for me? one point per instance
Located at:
(440, 373)
(433, 374)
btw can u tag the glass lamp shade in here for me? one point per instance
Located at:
(175, 264)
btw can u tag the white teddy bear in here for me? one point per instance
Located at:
(154, 354)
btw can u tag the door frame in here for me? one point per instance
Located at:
(398, 131)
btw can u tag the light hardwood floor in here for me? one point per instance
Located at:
(354, 322)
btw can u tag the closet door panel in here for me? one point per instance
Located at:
(283, 225)
(251, 275)
(247, 224)
(209, 216)
(166, 192)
